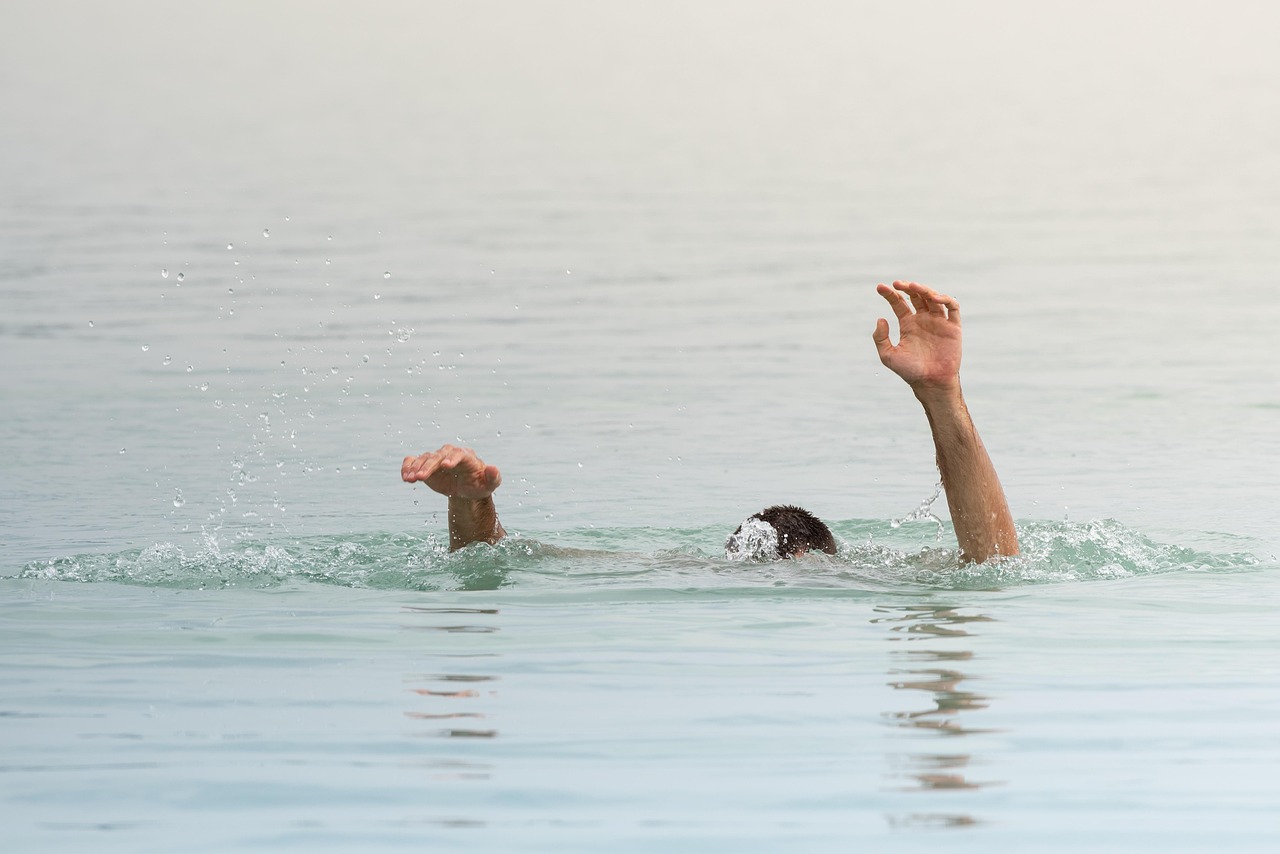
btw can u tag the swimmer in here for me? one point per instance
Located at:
(927, 357)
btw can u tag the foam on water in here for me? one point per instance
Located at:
(1053, 552)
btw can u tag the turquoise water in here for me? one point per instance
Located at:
(376, 691)
(249, 259)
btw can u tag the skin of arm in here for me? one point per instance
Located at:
(469, 485)
(927, 357)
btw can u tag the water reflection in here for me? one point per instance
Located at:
(451, 705)
(453, 701)
(936, 671)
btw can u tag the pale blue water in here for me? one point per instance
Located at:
(631, 254)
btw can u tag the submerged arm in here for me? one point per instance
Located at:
(927, 356)
(469, 484)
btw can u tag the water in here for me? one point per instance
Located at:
(633, 254)
(537, 697)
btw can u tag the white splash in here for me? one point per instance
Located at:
(755, 540)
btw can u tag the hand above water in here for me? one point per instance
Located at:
(452, 471)
(927, 354)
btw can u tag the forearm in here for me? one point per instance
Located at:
(473, 521)
(979, 509)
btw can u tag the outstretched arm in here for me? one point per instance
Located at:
(927, 356)
(462, 476)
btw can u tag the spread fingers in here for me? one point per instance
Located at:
(917, 293)
(896, 299)
(952, 306)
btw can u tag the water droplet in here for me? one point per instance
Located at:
(178, 500)
(181, 276)
(404, 335)
(568, 272)
(266, 232)
(386, 275)
(204, 386)
(168, 360)
(217, 404)
(122, 450)
(236, 263)
(231, 290)
(90, 324)
(164, 273)
(146, 347)
(230, 246)
(364, 358)
(377, 296)
(286, 219)
(330, 237)
(189, 369)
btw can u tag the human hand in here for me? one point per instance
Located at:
(455, 472)
(927, 354)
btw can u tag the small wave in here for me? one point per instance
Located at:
(377, 561)
(1052, 552)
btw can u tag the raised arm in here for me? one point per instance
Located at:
(462, 476)
(927, 356)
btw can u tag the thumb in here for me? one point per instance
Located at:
(881, 337)
(492, 477)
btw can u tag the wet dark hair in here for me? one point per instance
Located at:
(798, 530)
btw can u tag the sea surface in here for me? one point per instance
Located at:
(252, 255)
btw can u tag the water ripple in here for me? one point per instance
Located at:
(1053, 552)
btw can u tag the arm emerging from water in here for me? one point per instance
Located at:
(469, 484)
(927, 356)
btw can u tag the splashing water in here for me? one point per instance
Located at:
(681, 559)
(924, 511)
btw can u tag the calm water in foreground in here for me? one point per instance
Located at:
(249, 259)
(335, 692)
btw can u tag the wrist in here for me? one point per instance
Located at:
(468, 505)
(939, 394)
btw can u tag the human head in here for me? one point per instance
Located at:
(778, 532)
